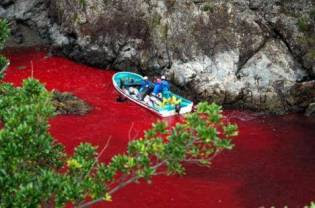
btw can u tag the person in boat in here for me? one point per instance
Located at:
(145, 83)
(161, 86)
(146, 87)
(158, 86)
(165, 88)
(160, 91)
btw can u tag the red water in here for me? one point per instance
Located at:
(272, 164)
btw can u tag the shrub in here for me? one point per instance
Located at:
(29, 157)
(4, 32)
(35, 171)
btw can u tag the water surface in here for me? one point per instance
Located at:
(272, 164)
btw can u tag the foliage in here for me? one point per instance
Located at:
(312, 205)
(4, 34)
(303, 24)
(35, 171)
(29, 156)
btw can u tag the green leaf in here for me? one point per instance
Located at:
(230, 130)
(160, 127)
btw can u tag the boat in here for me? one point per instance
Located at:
(128, 85)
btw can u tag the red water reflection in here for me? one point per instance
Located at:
(272, 164)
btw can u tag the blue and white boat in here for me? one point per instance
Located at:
(128, 84)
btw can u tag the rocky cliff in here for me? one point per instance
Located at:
(257, 54)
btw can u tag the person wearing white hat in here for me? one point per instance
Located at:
(165, 87)
(161, 86)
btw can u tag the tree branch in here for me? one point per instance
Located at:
(121, 185)
(98, 157)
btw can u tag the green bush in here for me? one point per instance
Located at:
(35, 171)
(28, 153)
(4, 32)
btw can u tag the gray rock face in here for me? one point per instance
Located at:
(29, 20)
(248, 53)
(6, 2)
(310, 110)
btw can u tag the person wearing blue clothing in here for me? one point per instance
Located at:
(165, 87)
(161, 86)
(165, 84)
(146, 87)
(157, 87)
(145, 83)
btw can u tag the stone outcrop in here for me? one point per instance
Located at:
(310, 110)
(247, 53)
(28, 19)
